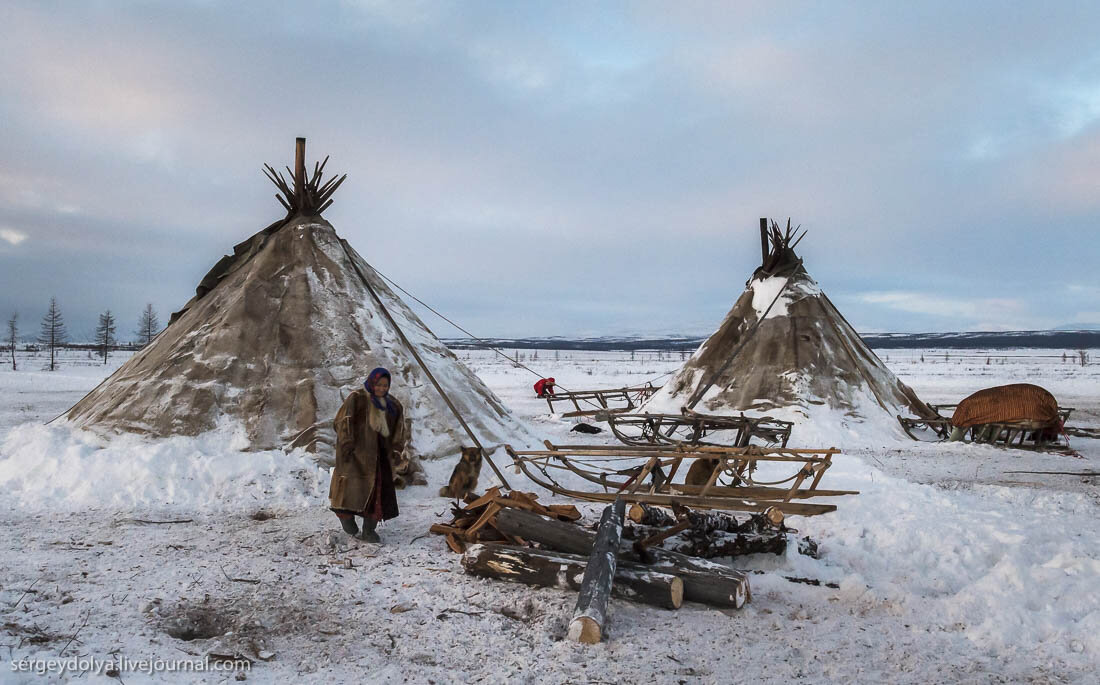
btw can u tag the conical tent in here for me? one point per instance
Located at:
(277, 335)
(785, 346)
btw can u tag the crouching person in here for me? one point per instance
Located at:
(370, 440)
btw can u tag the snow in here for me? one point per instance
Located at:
(766, 291)
(950, 569)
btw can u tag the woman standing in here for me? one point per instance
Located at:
(370, 438)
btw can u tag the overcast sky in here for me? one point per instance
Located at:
(564, 168)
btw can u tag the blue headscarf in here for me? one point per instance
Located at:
(384, 401)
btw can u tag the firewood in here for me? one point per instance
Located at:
(650, 516)
(541, 568)
(443, 529)
(565, 512)
(488, 497)
(490, 511)
(457, 546)
(705, 581)
(590, 616)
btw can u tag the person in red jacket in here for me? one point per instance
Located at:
(544, 387)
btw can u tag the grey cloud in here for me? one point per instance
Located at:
(932, 149)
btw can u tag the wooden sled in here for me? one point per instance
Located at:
(690, 428)
(601, 401)
(646, 475)
(1016, 435)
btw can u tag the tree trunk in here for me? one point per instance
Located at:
(705, 581)
(590, 616)
(541, 568)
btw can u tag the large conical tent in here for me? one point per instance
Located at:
(785, 346)
(279, 333)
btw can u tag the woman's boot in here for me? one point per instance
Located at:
(369, 524)
(348, 524)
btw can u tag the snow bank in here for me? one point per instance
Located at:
(59, 467)
(1006, 566)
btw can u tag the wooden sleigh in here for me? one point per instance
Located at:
(1018, 435)
(689, 428)
(646, 475)
(611, 400)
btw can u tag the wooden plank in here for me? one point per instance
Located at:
(457, 546)
(489, 496)
(470, 534)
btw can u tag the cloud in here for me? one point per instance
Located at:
(928, 147)
(12, 236)
(955, 307)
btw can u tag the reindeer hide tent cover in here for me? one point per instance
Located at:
(276, 336)
(784, 345)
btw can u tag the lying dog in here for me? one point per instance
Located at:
(464, 478)
(700, 471)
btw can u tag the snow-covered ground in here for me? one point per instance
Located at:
(950, 568)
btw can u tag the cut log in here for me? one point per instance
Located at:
(705, 581)
(650, 516)
(542, 568)
(590, 616)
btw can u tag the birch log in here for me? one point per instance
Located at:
(542, 568)
(590, 616)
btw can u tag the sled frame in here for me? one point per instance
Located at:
(646, 475)
(611, 400)
(690, 428)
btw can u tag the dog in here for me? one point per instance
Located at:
(700, 471)
(464, 478)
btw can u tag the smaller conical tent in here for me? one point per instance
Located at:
(276, 337)
(785, 346)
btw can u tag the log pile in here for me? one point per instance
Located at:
(498, 534)
(475, 520)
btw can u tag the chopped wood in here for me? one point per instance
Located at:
(705, 581)
(457, 546)
(441, 529)
(489, 496)
(566, 512)
(650, 516)
(541, 568)
(489, 513)
(473, 520)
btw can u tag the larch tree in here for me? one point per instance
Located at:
(149, 325)
(105, 333)
(52, 333)
(13, 335)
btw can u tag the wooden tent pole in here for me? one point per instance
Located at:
(763, 240)
(416, 355)
(300, 171)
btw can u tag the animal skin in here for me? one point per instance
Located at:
(464, 478)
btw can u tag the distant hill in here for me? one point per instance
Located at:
(1055, 339)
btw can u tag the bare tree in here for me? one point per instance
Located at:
(53, 333)
(13, 335)
(149, 325)
(105, 333)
